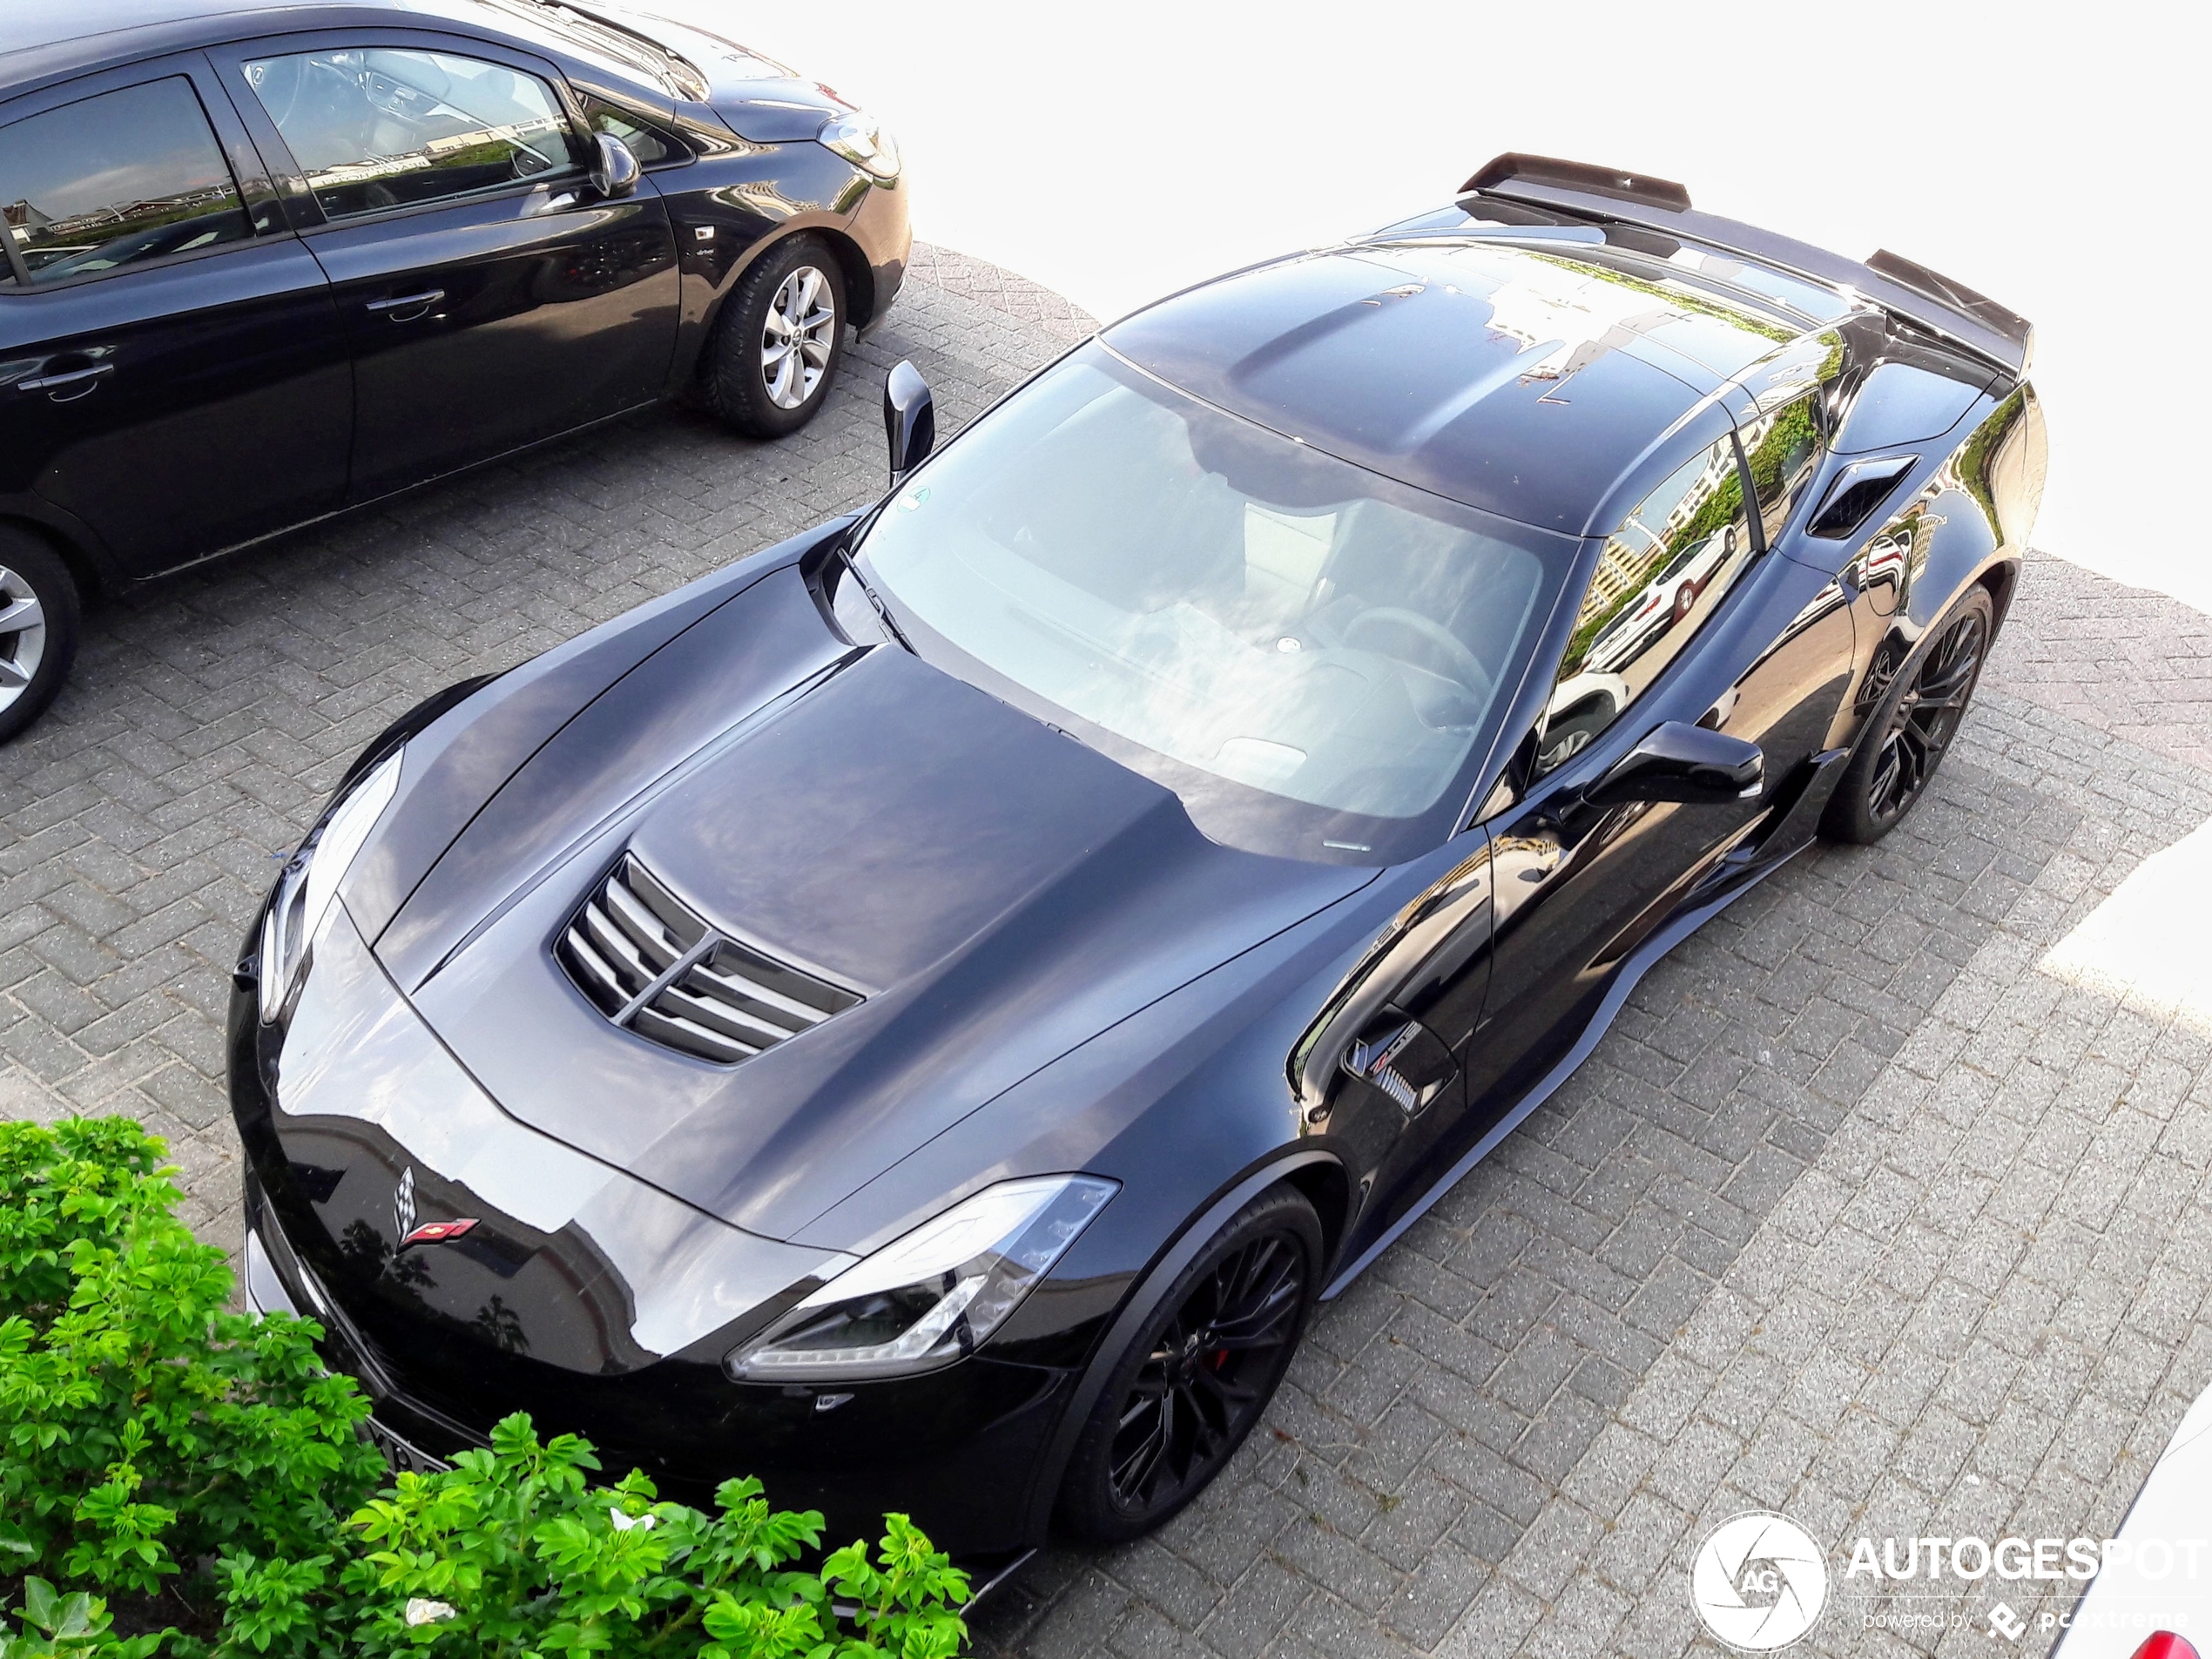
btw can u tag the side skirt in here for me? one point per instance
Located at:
(1631, 970)
(346, 508)
(993, 1575)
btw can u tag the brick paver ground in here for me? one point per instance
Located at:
(1856, 1214)
(2127, 663)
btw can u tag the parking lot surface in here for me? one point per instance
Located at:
(1858, 1214)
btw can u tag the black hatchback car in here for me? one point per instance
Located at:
(265, 262)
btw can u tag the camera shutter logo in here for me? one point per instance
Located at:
(1759, 1581)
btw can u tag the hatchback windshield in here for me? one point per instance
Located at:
(1305, 651)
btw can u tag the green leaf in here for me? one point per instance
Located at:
(40, 1604)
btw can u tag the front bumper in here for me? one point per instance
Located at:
(880, 227)
(596, 1304)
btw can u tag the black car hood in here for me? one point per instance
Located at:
(759, 99)
(463, 760)
(996, 892)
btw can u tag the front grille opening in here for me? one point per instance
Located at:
(649, 962)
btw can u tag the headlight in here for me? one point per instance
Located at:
(310, 880)
(933, 1296)
(862, 141)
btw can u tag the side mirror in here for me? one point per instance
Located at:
(615, 175)
(1681, 762)
(909, 419)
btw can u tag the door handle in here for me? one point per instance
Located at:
(413, 303)
(66, 388)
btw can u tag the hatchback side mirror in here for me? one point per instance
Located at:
(615, 175)
(1681, 762)
(909, 419)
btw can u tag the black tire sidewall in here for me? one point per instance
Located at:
(1849, 817)
(50, 578)
(731, 384)
(1086, 1510)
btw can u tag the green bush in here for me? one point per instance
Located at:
(181, 1479)
(144, 1428)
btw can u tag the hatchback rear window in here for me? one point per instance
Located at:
(113, 180)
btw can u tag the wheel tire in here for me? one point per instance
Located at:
(1197, 1398)
(739, 380)
(40, 616)
(1911, 729)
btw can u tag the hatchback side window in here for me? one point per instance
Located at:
(378, 128)
(1662, 572)
(115, 179)
(648, 144)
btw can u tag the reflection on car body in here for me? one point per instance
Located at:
(1665, 603)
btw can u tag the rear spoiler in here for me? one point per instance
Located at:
(1896, 284)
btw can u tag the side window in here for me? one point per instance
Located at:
(1787, 434)
(379, 128)
(648, 144)
(1661, 574)
(1784, 447)
(115, 179)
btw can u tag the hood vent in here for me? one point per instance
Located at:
(649, 962)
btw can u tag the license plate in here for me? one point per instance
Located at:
(404, 1456)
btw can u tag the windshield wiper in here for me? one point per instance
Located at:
(875, 600)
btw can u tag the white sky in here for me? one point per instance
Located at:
(2055, 159)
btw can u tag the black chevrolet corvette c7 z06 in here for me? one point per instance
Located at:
(924, 1014)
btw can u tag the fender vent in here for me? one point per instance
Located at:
(650, 963)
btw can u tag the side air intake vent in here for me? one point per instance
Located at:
(648, 961)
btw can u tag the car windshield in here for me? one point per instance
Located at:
(1308, 652)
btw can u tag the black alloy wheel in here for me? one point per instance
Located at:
(39, 619)
(1907, 735)
(779, 340)
(1188, 1390)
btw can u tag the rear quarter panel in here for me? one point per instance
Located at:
(1981, 508)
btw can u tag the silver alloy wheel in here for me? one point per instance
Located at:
(801, 331)
(23, 635)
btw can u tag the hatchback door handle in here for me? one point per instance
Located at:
(63, 389)
(413, 303)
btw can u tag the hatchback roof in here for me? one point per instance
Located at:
(48, 40)
(46, 22)
(1520, 378)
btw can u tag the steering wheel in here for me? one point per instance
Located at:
(305, 69)
(1467, 668)
(299, 77)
